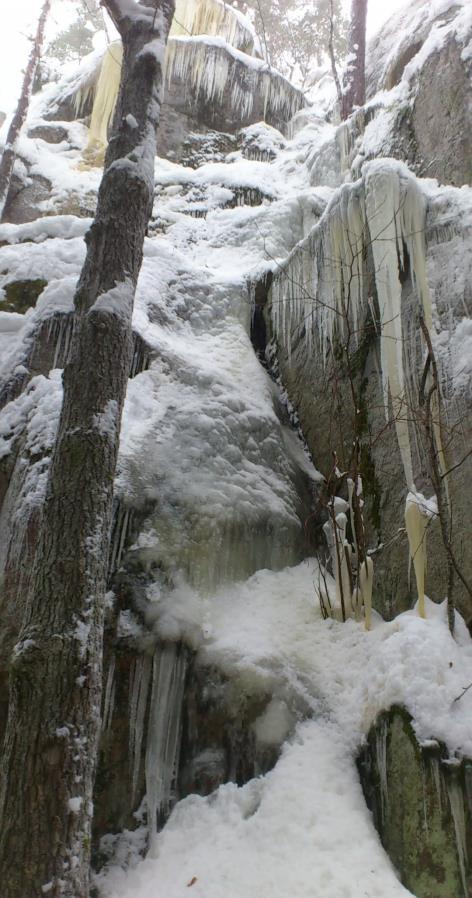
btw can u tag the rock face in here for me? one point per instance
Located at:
(422, 804)
(423, 111)
(24, 199)
(318, 383)
(431, 131)
(440, 118)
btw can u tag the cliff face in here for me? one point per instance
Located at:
(317, 371)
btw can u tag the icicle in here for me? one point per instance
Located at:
(139, 689)
(350, 490)
(322, 282)
(383, 203)
(416, 525)
(366, 579)
(381, 756)
(106, 94)
(342, 572)
(120, 532)
(163, 738)
(61, 333)
(335, 532)
(109, 699)
(213, 17)
(342, 139)
(438, 780)
(456, 802)
(210, 69)
(396, 211)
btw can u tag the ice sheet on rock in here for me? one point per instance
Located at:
(200, 438)
(323, 285)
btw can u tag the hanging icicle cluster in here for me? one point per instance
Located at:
(213, 17)
(156, 696)
(322, 286)
(323, 289)
(211, 69)
(105, 96)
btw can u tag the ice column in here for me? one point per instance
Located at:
(164, 728)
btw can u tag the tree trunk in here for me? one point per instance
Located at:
(354, 78)
(332, 57)
(18, 120)
(53, 725)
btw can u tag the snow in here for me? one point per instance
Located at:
(49, 261)
(426, 24)
(75, 805)
(276, 836)
(64, 226)
(106, 421)
(117, 302)
(281, 834)
(70, 185)
(37, 408)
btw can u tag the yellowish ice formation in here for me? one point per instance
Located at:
(416, 525)
(212, 17)
(209, 67)
(106, 93)
(366, 580)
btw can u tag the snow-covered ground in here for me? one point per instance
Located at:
(303, 829)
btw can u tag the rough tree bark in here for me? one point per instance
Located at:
(50, 750)
(354, 78)
(18, 120)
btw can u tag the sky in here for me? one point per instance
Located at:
(22, 16)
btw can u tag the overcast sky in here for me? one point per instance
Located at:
(22, 16)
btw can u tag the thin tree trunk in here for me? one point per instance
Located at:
(354, 79)
(18, 120)
(332, 58)
(53, 725)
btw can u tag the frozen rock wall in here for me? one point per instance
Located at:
(347, 305)
(413, 788)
